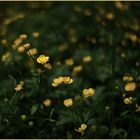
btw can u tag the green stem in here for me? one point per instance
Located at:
(12, 98)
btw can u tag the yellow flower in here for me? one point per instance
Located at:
(36, 34)
(47, 102)
(131, 86)
(6, 57)
(67, 80)
(57, 81)
(69, 62)
(48, 66)
(23, 36)
(77, 69)
(19, 86)
(127, 78)
(26, 46)
(128, 100)
(87, 59)
(81, 129)
(32, 51)
(88, 92)
(60, 80)
(42, 59)
(21, 49)
(68, 102)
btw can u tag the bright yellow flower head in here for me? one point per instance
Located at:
(67, 80)
(19, 86)
(131, 86)
(6, 57)
(68, 102)
(128, 100)
(47, 102)
(57, 81)
(60, 80)
(42, 59)
(88, 92)
(81, 128)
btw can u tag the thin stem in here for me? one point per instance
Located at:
(12, 98)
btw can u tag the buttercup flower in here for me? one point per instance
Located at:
(88, 92)
(32, 51)
(131, 86)
(77, 69)
(69, 62)
(67, 80)
(127, 78)
(128, 100)
(6, 57)
(57, 81)
(68, 102)
(60, 80)
(19, 86)
(42, 59)
(81, 129)
(47, 102)
(87, 59)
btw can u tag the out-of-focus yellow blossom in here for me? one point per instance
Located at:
(23, 36)
(69, 62)
(57, 81)
(87, 59)
(26, 46)
(131, 86)
(77, 8)
(6, 57)
(88, 92)
(47, 102)
(48, 66)
(43, 59)
(21, 49)
(19, 86)
(73, 39)
(77, 69)
(68, 102)
(36, 34)
(128, 100)
(137, 108)
(128, 78)
(82, 128)
(62, 47)
(133, 37)
(110, 16)
(32, 51)
(87, 12)
(17, 42)
(4, 42)
(67, 80)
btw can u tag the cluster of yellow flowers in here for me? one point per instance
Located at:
(82, 128)
(61, 79)
(19, 86)
(88, 92)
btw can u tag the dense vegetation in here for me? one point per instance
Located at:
(69, 70)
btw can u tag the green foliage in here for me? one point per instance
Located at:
(96, 44)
